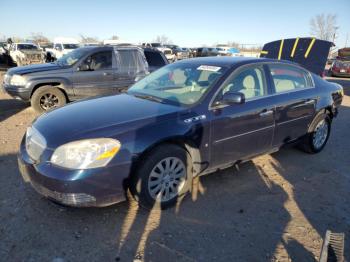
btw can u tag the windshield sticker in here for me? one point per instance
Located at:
(209, 68)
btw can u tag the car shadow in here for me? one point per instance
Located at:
(10, 107)
(229, 216)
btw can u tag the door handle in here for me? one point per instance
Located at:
(266, 113)
(106, 74)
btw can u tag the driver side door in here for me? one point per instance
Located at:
(95, 76)
(242, 130)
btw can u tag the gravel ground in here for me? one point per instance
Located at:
(275, 208)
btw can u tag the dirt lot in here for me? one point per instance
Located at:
(276, 208)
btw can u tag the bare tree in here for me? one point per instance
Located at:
(39, 38)
(88, 39)
(233, 44)
(115, 37)
(163, 39)
(324, 26)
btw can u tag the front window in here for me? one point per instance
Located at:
(179, 84)
(70, 46)
(99, 61)
(249, 81)
(72, 57)
(26, 47)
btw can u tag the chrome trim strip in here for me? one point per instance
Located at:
(292, 120)
(243, 134)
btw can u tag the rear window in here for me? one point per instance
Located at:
(131, 61)
(26, 47)
(288, 78)
(154, 58)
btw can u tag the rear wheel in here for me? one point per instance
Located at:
(47, 98)
(163, 177)
(318, 134)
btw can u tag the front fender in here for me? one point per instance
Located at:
(193, 137)
(61, 82)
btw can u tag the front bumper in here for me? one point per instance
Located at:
(18, 92)
(81, 188)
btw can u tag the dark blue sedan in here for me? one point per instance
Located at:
(184, 120)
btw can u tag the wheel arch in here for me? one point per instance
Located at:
(185, 144)
(53, 84)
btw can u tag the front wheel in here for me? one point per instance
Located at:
(46, 98)
(318, 134)
(163, 177)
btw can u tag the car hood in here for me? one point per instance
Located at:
(101, 117)
(22, 70)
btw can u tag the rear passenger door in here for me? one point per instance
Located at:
(131, 66)
(295, 98)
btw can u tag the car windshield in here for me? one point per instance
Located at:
(47, 46)
(27, 47)
(72, 57)
(179, 83)
(156, 45)
(70, 46)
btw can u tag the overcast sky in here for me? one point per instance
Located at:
(187, 23)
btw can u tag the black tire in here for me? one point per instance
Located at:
(139, 184)
(54, 96)
(308, 143)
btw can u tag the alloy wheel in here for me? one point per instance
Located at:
(48, 101)
(167, 179)
(320, 134)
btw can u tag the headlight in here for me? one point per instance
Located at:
(85, 154)
(17, 80)
(35, 143)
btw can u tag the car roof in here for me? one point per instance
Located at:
(230, 61)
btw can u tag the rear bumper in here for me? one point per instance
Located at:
(338, 74)
(81, 188)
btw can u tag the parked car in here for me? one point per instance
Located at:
(206, 51)
(166, 51)
(82, 73)
(47, 48)
(341, 65)
(26, 54)
(180, 53)
(186, 119)
(63, 46)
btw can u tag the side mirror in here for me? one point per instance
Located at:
(231, 98)
(84, 67)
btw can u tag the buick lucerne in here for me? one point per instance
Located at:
(186, 119)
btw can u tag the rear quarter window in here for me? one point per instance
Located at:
(154, 58)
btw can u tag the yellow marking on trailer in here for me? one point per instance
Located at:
(264, 52)
(309, 48)
(280, 52)
(294, 47)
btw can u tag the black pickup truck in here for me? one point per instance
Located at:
(84, 72)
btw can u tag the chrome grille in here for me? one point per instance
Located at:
(35, 143)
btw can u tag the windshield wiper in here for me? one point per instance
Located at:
(149, 97)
